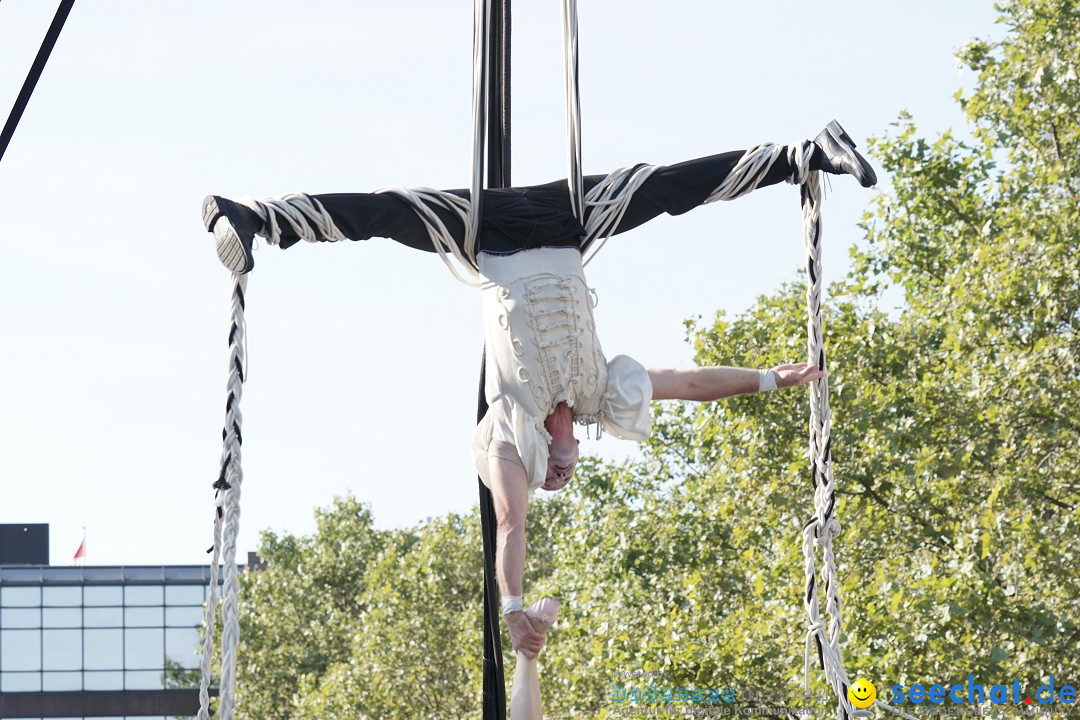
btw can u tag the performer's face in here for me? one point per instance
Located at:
(562, 461)
(563, 449)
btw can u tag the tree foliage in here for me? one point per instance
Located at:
(956, 450)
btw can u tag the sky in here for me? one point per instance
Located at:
(364, 357)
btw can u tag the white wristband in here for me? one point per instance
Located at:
(766, 380)
(511, 603)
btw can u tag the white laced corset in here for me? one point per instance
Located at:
(540, 333)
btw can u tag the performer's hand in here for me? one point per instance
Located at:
(794, 374)
(523, 637)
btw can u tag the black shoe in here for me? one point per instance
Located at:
(234, 227)
(838, 155)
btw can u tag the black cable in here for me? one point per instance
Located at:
(494, 694)
(498, 175)
(35, 72)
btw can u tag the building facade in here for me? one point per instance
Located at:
(112, 642)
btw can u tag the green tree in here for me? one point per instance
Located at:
(956, 450)
(358, 623)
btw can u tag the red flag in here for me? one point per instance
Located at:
(80, 554)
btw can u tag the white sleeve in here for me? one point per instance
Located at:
(626, 399)
(506, 421)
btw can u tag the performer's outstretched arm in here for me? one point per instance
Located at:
(714, 383)
(510, 495)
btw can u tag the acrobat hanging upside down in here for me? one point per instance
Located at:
(545, 368)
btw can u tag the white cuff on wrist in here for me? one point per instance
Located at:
(511, 603)
(766, 380)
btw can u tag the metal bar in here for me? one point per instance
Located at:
(99, 703)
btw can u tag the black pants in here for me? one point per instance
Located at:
(535, 216)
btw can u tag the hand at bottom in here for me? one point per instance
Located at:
(523, 637)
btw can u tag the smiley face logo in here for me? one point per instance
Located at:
(862, 693)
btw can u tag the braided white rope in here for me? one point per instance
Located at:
(824, 526)
(227, 525)
(210, 615)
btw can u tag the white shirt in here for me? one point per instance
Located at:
(542, 349)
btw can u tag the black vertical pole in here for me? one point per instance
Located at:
(494, 697)
(498, 175)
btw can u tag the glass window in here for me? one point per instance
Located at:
(185, 617)
(103, 680)
(144, 649)
(103, 617)
(20, 649)
(143, 617)
(62, 596)
(61, 617)
(61, 681)
(182, 646)
(20, 682)
(103, 595)
(20, 596)
(144, 595)
(20, 618)
(143, 680)
(62, 650)
(184, 594)
(104, 651)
